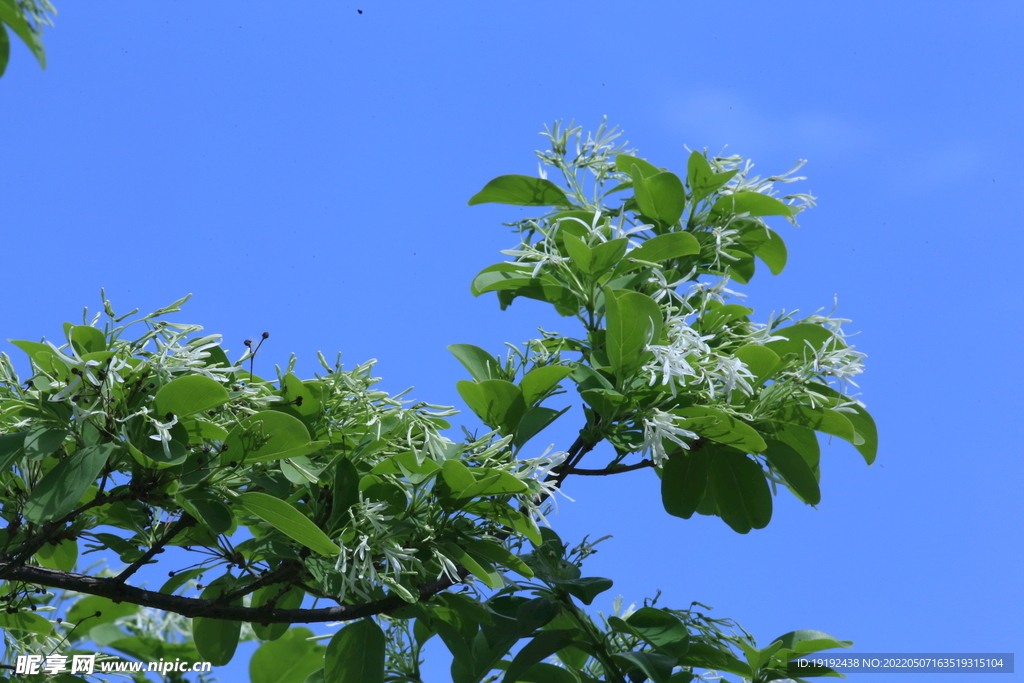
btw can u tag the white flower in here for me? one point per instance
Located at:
(667, 290)
(672, 361)
(733, 374)
(163, 433)
(841, 363)
(660, 426)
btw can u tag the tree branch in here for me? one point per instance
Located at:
(615, 469)
(185, 521)
(213, 609)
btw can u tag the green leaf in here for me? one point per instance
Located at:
(542, 646)
(769, 247)
(579, 252)
(189, 395)
(741, 491)
(540, 381)
(806, 641)
(294, 389)
(658, 628)
(801, 439)
(481, 570)
(498, 403)
(11, 15)
(492, 551)
(457, 476)
(12, 447)
(635, 166)
(584, 589)
(663, 248)
(521, 190)
(344, 489)
(702, 180)
(481, 365)
(59, 491)
(705, 656)
(5, 49)
(267, 435)
(725, 429)
(656, 667)
(61, 556)
(634, 319)
(85, 339)
(606, 402)
(684, 478)
(41, 442)
(543, 672)
(819, 419)
(798, 336)
(661, 196)
(863, 423)
(84, 611)
(754, 203)
(209, 508)
(493, 483)
(794, 469)
(216, 639)
(760, 360)
(536, 613)
(286, 597)
(288, 660)
(180, 578)
(356, 654)
(534, 422)
(289, 521)
(606, 255)
(500, 276)
(25, 621)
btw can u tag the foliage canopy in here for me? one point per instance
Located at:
(266, 499)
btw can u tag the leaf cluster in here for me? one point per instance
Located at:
(137, 437)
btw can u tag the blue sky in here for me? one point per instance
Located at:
(306, 173)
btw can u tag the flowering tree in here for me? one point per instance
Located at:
(271, 503)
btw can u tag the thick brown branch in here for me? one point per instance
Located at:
(197, 607)
(615, 469)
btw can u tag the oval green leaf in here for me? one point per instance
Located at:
(216, 639)
(60, 490)
(189, 395)
(521, 190)
(288, 660)
(289, 521)
(356, 654)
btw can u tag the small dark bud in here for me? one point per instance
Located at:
(169, 416)
(199, 586)
(233, 464)
(98, 614)
(223, 448)
(211, 413)
(170, 574)
(248, 342)
(76, 371)
(298, 400)
(59, 620)
(265, 335)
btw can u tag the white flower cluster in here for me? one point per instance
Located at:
(687, 355)
(660, 426)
